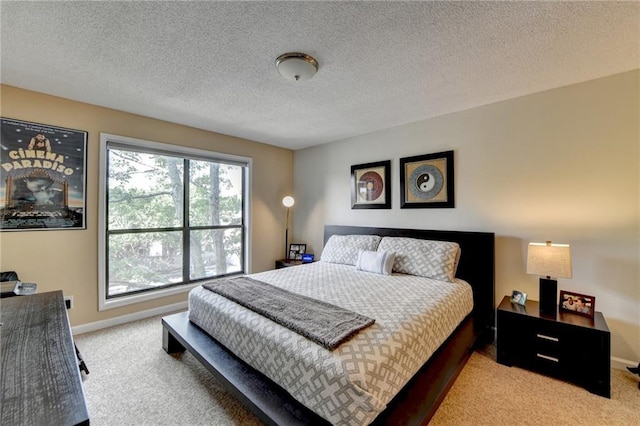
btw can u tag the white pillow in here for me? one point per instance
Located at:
(378, 262)
(425, 258)
(344, 248)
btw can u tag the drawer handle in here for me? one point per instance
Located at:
(542, 336)
(548, 358)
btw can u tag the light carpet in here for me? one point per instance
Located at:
(132, 381)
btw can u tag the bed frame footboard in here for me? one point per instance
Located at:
(268, 401)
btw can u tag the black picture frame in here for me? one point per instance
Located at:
(371, 185)
(427, 181)
(296, 250)
(43, 177)
(576, 303)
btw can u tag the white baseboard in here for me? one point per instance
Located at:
(621, 363)
(98, 325)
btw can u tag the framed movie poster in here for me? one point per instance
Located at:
(371, 185)
(42, 176)
(426, 181)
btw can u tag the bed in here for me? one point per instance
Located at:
(408, 400)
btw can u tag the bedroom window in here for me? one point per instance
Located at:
(170, 217)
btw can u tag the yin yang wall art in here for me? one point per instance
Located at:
(426, 181)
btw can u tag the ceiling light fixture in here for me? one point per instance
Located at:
(296, 66)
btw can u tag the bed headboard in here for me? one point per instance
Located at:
(476, 266)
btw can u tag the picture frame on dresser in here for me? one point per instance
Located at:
(576, 303)
(519, 297)
(296, 250)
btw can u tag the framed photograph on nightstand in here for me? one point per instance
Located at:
(518, 297)
(296, 250)
(576, 303)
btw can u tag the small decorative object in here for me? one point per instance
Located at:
(371, 185)
(307, 258)
(551, 261)
(518, 297)
(426, 181)
(296, 250)
(576, 303)
(42, 177)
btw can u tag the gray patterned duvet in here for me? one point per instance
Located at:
(352, 384)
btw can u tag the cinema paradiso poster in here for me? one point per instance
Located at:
(43, 177)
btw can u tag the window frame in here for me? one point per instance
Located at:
(134, 144)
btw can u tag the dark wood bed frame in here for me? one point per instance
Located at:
(418, 401)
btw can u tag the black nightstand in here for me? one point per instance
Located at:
(285, 263)
(567, 346)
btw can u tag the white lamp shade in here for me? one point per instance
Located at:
(549, 260)
(288, 201)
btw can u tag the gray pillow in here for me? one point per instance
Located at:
(345, 248)
(425, 258)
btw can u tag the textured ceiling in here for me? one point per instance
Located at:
(210, 65)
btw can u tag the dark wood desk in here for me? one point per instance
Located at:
(39, 373)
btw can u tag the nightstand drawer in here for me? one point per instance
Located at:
(547, 345)
(546, 364)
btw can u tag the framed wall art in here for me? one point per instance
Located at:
(577, 303)
(42, 177)
(426, 181)
(371, 185)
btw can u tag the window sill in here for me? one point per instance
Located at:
(106, 304)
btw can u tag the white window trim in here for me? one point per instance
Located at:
(103, 302)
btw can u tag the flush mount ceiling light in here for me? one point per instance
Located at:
(296, 66)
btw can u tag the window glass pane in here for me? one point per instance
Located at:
(143, 261)
(215, 252)
(215, 194)
(155, 195)
(145, 190)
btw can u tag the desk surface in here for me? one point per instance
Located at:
(39, 372)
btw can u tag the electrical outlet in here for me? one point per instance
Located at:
(68, 301)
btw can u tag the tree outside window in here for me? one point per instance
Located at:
(171, 219)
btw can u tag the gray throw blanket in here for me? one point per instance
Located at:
(322, 322)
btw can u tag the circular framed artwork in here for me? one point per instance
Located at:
(426, 181)
(370, 185)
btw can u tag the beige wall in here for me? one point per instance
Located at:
(561, 165)
(68, 260)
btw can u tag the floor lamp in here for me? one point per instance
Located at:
(288, 202)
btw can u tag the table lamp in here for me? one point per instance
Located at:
(288, 202)
(549, 261)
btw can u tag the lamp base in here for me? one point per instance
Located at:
(286, 244)
(548, 296)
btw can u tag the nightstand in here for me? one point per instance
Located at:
(285, 263)
(566, 346)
